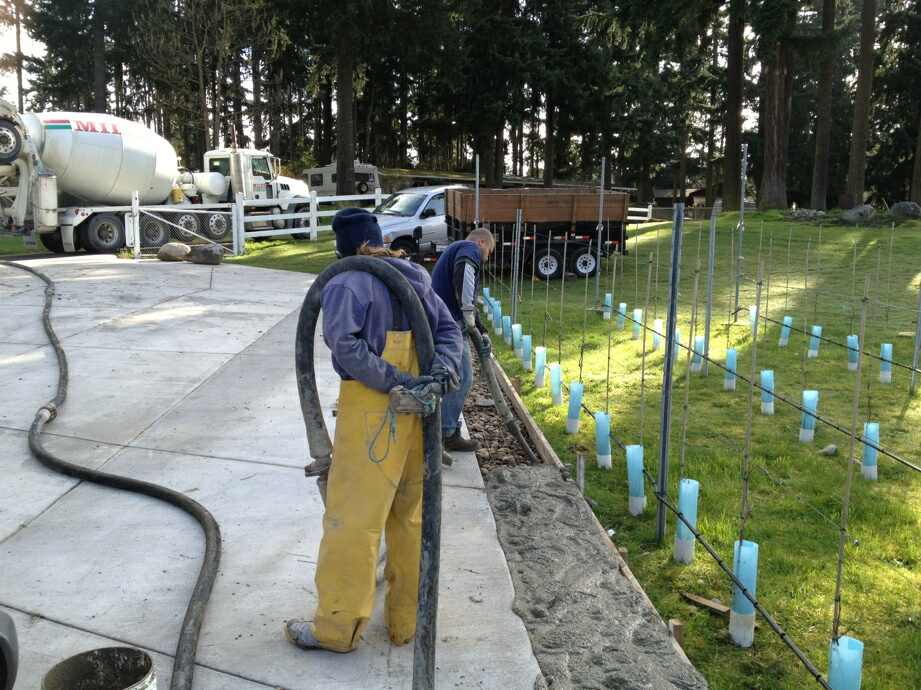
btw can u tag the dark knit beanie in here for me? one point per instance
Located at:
(354, 227)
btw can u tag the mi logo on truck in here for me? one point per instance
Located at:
(83, 126)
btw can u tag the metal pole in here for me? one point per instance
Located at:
(600, 228)
(742, 179)
(643, 361)
(914, 359)
(516, 241)
(674, 276)
(711, 268)
(745, 508)
(476, 193)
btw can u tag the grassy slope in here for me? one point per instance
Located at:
(289, 255)
(796, 508)
(15, 245)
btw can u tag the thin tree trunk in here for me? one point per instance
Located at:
(711, 121)
(215, 110)
(237, 102)
(19, 94)
(550, 142)
(256, 67)
(857, 164)
(916, 169)
(499, 156)
(777, 73)
(823, 117)
(683, 162)
(734, 77)
(100, 93)
(345, 124)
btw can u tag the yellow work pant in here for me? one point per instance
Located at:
(375, 485)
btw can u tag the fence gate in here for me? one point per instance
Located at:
(150, 227)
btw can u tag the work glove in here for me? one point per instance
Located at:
(470, 318)
(419, 399)
(445, 377)
(485, 349)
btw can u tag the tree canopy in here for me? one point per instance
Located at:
(666, 91)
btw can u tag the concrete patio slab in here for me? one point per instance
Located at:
(28, 487)
(96, 566)
(43, 643)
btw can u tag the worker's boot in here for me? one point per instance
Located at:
(300, 633)
(460, 444)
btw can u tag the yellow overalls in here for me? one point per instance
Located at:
(375, 484)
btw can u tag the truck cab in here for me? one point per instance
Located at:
(257, 176)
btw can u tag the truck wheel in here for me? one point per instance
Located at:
(218, 227)
(549, 265)
(10, 142)
(584, 263)
(154, 232)
(189, 224)
(52, 241)
(362, 187)
(300, 223)
(104, 232)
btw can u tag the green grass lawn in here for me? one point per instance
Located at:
(289, 255)
(15, 245)
(795, 491)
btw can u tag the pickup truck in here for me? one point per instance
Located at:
(413, 219)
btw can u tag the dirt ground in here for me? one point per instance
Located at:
(590, 625)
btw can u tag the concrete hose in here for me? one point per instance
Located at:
(486, 367)
(184, 664)
(321, 448)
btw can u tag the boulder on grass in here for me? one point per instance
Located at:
(906, 209)
(210, 254)
(173, 251)
(858, 214)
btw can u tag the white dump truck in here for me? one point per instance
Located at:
(70, 178)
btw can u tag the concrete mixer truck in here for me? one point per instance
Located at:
(70, 178)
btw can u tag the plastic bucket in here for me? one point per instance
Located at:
(109, 668)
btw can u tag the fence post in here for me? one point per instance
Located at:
(241, 213)
(314, 219)
(235, 229)
(711, 267)
(136, 224)
(743, 177)
(674, 275)
(917, 352)
(378, 197)
(599, 230)
(476, 192)
(649, 212)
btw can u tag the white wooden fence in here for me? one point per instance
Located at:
(639, 214)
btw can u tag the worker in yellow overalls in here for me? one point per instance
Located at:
(375, 482)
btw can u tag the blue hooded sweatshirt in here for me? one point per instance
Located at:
(358, 312)
(447, 276)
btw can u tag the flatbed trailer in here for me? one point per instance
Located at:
(558, 223)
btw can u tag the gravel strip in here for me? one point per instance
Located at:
(590, 625)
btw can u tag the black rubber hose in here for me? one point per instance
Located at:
(321, 448)
(184, 663)
(486, 368)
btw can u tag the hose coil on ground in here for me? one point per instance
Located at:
(184, 663)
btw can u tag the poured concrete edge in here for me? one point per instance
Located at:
(549, 456)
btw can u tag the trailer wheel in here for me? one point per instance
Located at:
(104, 232)
(189, 224)
(549, 265)
(154, 232)
(218, 228)
(584, 264)
(10, 142)
(52, 241)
